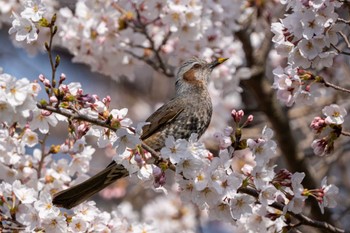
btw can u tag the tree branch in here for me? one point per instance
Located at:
(158, 65)
(267, 102)
(78, 116)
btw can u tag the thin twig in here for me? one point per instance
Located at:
(345, 39)
(343, 21)
(339, 51)
(345, 133)
(43, 155)
(49, 52)
(143, 29)
(328, 84)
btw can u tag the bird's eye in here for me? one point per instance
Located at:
(196, 66)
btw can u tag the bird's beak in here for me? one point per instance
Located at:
(217, 62)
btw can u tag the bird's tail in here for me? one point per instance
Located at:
(77, 194)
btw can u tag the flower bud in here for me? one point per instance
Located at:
(53, 99)
(237, 115)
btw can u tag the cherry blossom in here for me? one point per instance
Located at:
(24, 194)
(334, 114)
(240, 204)
(24, 29)
(34, 10)
(328, 195)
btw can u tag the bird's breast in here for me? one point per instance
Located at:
(194, 118)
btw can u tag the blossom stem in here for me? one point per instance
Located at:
(328, 84)
(345, 133)
(52, 64)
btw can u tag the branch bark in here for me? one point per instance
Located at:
(77, 116)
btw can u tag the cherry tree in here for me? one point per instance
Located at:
(287, 63)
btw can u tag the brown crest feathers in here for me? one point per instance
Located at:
(190, 75)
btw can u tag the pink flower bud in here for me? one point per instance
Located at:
(82, 128)
(237, 115)
(318, 124)
(47, 82)
(53, 99)
(250, 118)
(107, 100)
(62, 77)
(159, 180)
(41, 77)
(64, 88)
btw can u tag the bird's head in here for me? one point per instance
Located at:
(195, 73)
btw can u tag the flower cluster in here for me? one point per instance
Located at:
(112, 128)
(29, 179)
(328, 129)
(295, 85)
(216, 185)
(16, 98)
(24, 24)
(232, 135)
(307, 35)
(116, 37)
(32, 210)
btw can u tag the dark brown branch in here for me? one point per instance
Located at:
(303, 219)
(267, 102)
(142, 28)
(77, 116)
(149, 62)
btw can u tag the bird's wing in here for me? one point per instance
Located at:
(162, 116)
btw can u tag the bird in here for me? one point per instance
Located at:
(188, 112)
